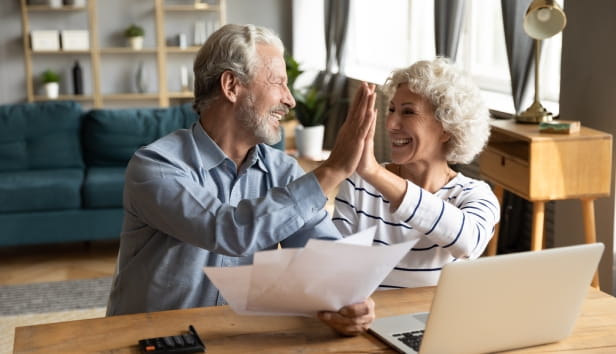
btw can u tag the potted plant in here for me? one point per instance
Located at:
(51, 80)
(134, 35)
(311, 108)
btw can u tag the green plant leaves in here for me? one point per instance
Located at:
(50, 76)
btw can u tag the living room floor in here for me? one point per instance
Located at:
(57, 262)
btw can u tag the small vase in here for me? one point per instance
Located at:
(77, 79)
(52, 90)
(141, 79)
(56, 4)
(135, 43)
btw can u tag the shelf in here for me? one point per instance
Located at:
(187, 94)
(59, 52)
(120, 57)
(196, 7)
(191, 49)
(46, 8)
(130, 96)
(65, 98)
(127, 50)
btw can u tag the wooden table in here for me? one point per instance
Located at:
(225, 332)
(541, 167)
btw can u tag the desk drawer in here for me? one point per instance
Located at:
(509, 172)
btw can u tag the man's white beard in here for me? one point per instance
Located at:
(260, 125)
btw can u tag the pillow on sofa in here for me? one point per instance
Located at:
(40, 135)
(111, 136)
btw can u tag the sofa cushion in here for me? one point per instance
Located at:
(111, 136)
(103, 187)
(40, 135)
(35, 190)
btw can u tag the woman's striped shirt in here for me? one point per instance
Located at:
(455, 222)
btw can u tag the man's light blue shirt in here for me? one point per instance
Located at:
(186, 206)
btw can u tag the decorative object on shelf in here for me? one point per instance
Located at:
(55, 4)
(182, 41)
(141, 79)
(211, 28)
(560, 127)
(75, 3)
(199, 35)
(77, 79)
(51, 83)
(184, 78)
(134, 35)
(75, 39)
(44, 40)
(543, 19)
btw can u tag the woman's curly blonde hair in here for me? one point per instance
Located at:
(457, 103)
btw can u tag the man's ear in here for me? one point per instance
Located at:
(229, 85)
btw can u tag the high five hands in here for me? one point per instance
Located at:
(351, 140)
(354, 140)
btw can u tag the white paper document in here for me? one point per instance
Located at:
(324, 275)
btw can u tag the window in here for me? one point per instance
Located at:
(396, 33)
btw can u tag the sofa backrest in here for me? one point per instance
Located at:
(111, 136)
(40, 135)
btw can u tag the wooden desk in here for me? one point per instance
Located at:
(225, 332)
(540, 167)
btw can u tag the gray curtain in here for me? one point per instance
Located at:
(332, 82)
(516, 212)
(448, 19)
(520, 49)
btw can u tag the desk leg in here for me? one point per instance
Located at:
(493, 244)
(536, 240)
(590, 233)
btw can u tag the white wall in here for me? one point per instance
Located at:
(588, 93)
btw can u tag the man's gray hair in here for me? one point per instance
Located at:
(233, 48)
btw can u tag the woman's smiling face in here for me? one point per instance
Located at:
(415, 133)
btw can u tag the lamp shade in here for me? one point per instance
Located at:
(543, 19)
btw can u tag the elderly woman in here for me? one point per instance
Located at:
(436, 117)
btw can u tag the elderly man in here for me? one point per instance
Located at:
(215, 194)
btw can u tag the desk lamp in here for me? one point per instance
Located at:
(543, 19)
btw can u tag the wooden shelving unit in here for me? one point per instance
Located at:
(97, 55)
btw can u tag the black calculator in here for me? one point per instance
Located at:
(187, 342)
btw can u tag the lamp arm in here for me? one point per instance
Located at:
(537, 60)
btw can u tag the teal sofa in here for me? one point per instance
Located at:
(62, 168)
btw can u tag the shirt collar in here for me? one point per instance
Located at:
(213, 156)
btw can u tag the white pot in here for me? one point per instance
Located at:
(52, 89)
(135, 42)
(309, 141)
(56, 4)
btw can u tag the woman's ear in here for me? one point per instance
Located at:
(445, 136)
(229, 85)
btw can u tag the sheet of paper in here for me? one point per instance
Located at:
(324, 275)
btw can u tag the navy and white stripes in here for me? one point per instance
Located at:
(455, 222)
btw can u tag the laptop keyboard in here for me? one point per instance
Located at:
(412, 339)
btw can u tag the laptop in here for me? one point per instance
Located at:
(497, 303)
